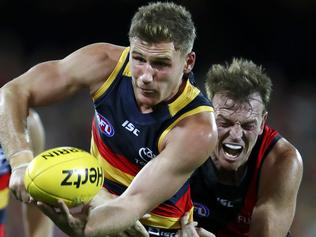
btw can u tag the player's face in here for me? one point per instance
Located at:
(239, 125)
(157, 70)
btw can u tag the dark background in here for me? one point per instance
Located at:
(279, 35)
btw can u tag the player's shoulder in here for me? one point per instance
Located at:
(285, 155)
(203, 120)
(284, 148)
(104, 46)
(101, 49)
(199, 130)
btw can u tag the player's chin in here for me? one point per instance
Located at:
(148, 100)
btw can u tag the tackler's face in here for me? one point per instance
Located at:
(239, 125)
(157, 70)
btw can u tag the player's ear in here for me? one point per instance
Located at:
(189, 62)
(264, 120)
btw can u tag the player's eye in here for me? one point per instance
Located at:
(249, 126)
(138, 58)
(223, 123)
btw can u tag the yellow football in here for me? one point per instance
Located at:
(66, 173)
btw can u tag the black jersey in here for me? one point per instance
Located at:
(226, 210)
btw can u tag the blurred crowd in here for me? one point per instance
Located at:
(279, 35)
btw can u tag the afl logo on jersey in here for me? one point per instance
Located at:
(4, 163)
(105, 126)
(201, 210)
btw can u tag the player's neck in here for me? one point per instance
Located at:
(178, 93)
(231, 177)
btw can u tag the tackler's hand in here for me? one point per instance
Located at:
(190, 229)
(72, 224)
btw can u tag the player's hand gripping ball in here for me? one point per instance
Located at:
(66, 173)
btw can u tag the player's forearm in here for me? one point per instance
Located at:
(272, 223)
(116, 217)
(13, 113)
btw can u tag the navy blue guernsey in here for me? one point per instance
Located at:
(125, 140)
(4, 189)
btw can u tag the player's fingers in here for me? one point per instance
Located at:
(178, 234)
(33, 202)
(14, 194)
(63, 207)
(204, 233)
(71, 220)
(120, 235)
(15, 191)
(85, 209)
(185, 219)
(140, 230)
(21, 195)
(25, 197)
(46, 209)
(146, 216)
(65, 211)
(136, 230)
(194, 224)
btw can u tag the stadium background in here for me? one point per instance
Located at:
(278, 34)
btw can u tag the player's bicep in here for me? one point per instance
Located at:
(278, 187)
(90, 66)
(281, 176)
(55, 80)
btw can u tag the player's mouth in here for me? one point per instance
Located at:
(147, 91)
(232, 151)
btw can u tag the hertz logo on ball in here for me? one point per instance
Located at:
(92, 175)
(66, 173)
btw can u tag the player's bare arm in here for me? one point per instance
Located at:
(186, 147)
(50, 82)
(31, 215)
(279, 183)
(46, 83)
(36, 130)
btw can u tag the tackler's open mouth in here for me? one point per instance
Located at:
(232, 151)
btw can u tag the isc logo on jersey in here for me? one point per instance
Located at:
(105, 126)
(130, 127)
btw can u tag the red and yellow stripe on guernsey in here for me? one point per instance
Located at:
(119, 169)
(165, 222)
(113, 75)
(4, 190)
(116, 167)
(4, 200)
(2, 231)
